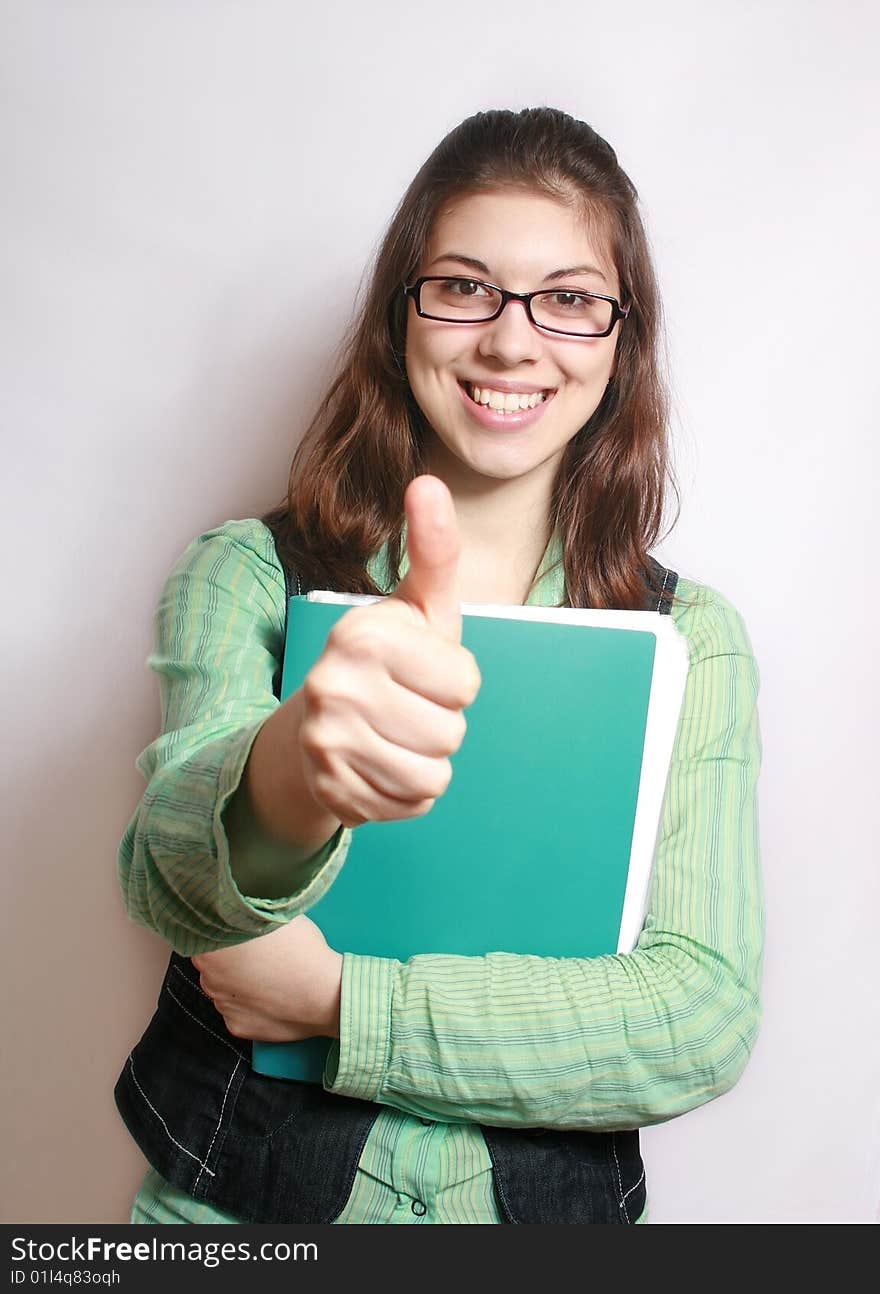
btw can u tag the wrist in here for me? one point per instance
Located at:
(280, 796)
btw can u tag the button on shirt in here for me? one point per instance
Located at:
(437, 1173)
(658, 1031)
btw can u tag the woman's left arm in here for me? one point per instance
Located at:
(608, 1042)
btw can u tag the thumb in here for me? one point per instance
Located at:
(433, 544)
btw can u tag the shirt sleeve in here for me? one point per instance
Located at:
(219, 630)
(611, 1042)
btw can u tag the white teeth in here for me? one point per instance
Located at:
(506, 401)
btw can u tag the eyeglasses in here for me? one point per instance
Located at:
(575, 314)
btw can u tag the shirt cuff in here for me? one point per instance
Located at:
(315, 874)
(357, 1064)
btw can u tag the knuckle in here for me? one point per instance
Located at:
(357, 632)
(327, 685)
(397, 811)
(439, 780)
(470, 678)
(368, 644)
(312, 742)
(458, 728)
(476, 678)
(423, 807)
(313, 687)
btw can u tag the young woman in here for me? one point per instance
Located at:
(496, 433)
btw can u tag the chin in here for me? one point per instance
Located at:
(497, 467)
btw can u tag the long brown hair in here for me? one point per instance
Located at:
(366, 442)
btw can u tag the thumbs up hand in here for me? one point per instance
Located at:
(382, 706)
(433, 544)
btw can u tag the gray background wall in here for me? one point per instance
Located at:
(191, 192)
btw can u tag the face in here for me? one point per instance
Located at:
(521, 241)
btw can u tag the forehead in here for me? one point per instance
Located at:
(520, 235)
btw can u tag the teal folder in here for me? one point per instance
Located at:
(531, 848)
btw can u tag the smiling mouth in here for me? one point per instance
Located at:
(506, 401)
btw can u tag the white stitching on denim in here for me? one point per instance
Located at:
(663, 589)
(162, 1121)
(199, 1022)
(622, 1198)
(638, 1183)
(191, 982)
(217, 1129)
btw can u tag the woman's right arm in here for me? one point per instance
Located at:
(244, 823)
(223, 846)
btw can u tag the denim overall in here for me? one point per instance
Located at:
(276, 1150)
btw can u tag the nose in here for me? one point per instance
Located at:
(511, 337)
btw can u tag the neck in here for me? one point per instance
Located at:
(505, 529)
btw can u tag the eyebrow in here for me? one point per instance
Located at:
(548, 278)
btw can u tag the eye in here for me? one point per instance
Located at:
(576, 312)
(573, 301)
(464, 287)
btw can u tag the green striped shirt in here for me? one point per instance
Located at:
(447, 1042)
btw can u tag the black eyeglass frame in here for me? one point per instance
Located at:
(414, 290)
